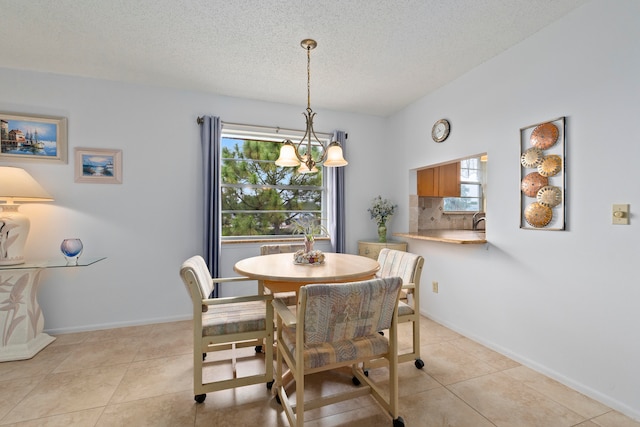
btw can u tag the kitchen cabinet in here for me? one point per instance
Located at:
(440, 181)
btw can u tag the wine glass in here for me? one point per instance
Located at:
(71, 249)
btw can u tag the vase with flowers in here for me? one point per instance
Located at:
(381, 211)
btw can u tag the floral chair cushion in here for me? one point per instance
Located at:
(341, 321)
(234, 318)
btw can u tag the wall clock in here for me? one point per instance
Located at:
(440, 130)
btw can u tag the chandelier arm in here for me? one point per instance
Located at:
(305, 136)
(306, 140)
(322, 146)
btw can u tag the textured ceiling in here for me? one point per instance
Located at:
(373, 56)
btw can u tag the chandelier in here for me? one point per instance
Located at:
(300, 154)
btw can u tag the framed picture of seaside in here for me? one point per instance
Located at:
(99, 166)
(33, 138)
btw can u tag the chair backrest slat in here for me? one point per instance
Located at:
(398, 263)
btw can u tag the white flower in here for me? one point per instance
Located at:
(381, 209)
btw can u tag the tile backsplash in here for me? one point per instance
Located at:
(427, 213)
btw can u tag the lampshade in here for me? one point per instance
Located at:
(334, 156)
(304, 168)
(16, 185)
(287, 155)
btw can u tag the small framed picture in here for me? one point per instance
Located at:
(33, 138)
(97, 165)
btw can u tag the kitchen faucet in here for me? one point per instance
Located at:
(477, 217)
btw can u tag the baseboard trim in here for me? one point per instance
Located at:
(114, 325)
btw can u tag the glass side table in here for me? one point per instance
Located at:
(21, 319)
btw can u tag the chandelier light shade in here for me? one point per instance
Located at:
(304, 168)
(288, 155)
(16, 185)
(334, 155)
(300, 154)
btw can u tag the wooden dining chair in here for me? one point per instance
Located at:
(336, 325)
(408, 266)
(223, 324)
(290, 298)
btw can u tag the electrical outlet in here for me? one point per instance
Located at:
(434, 287)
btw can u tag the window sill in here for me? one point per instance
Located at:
(269, 240)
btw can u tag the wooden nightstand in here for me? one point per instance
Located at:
(372, 248)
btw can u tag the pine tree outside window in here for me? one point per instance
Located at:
(260, 199)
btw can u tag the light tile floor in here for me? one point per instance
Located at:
(142, 376)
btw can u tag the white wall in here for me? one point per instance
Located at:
(152, 222)
(563, 302)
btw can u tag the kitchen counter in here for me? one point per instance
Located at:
(464, 237)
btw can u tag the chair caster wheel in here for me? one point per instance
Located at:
(419, 363)
(258, 349)
(200, 398)
(355, 381)
(270, 384)
(398, 422)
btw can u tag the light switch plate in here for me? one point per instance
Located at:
(620, 214)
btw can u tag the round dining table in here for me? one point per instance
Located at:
(279, 273)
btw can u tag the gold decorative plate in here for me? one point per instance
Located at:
(544, 136)
(549, 196)
(532, 183)
(532, 157)
(550, 165)
(537, 215)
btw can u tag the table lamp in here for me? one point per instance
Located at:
(16, 185)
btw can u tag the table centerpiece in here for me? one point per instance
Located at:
(309, 226)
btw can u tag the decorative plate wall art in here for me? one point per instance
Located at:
(532, 183)
(542, 175)
(538, 215)
(544, 136)
(550, 165)
(549, 196)
(531, 158)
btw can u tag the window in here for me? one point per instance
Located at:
(471, 187)
(260, 199)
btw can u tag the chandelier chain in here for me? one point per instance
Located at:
(308, 77)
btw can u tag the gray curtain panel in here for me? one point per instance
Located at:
(210, 135)
(335, 180)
